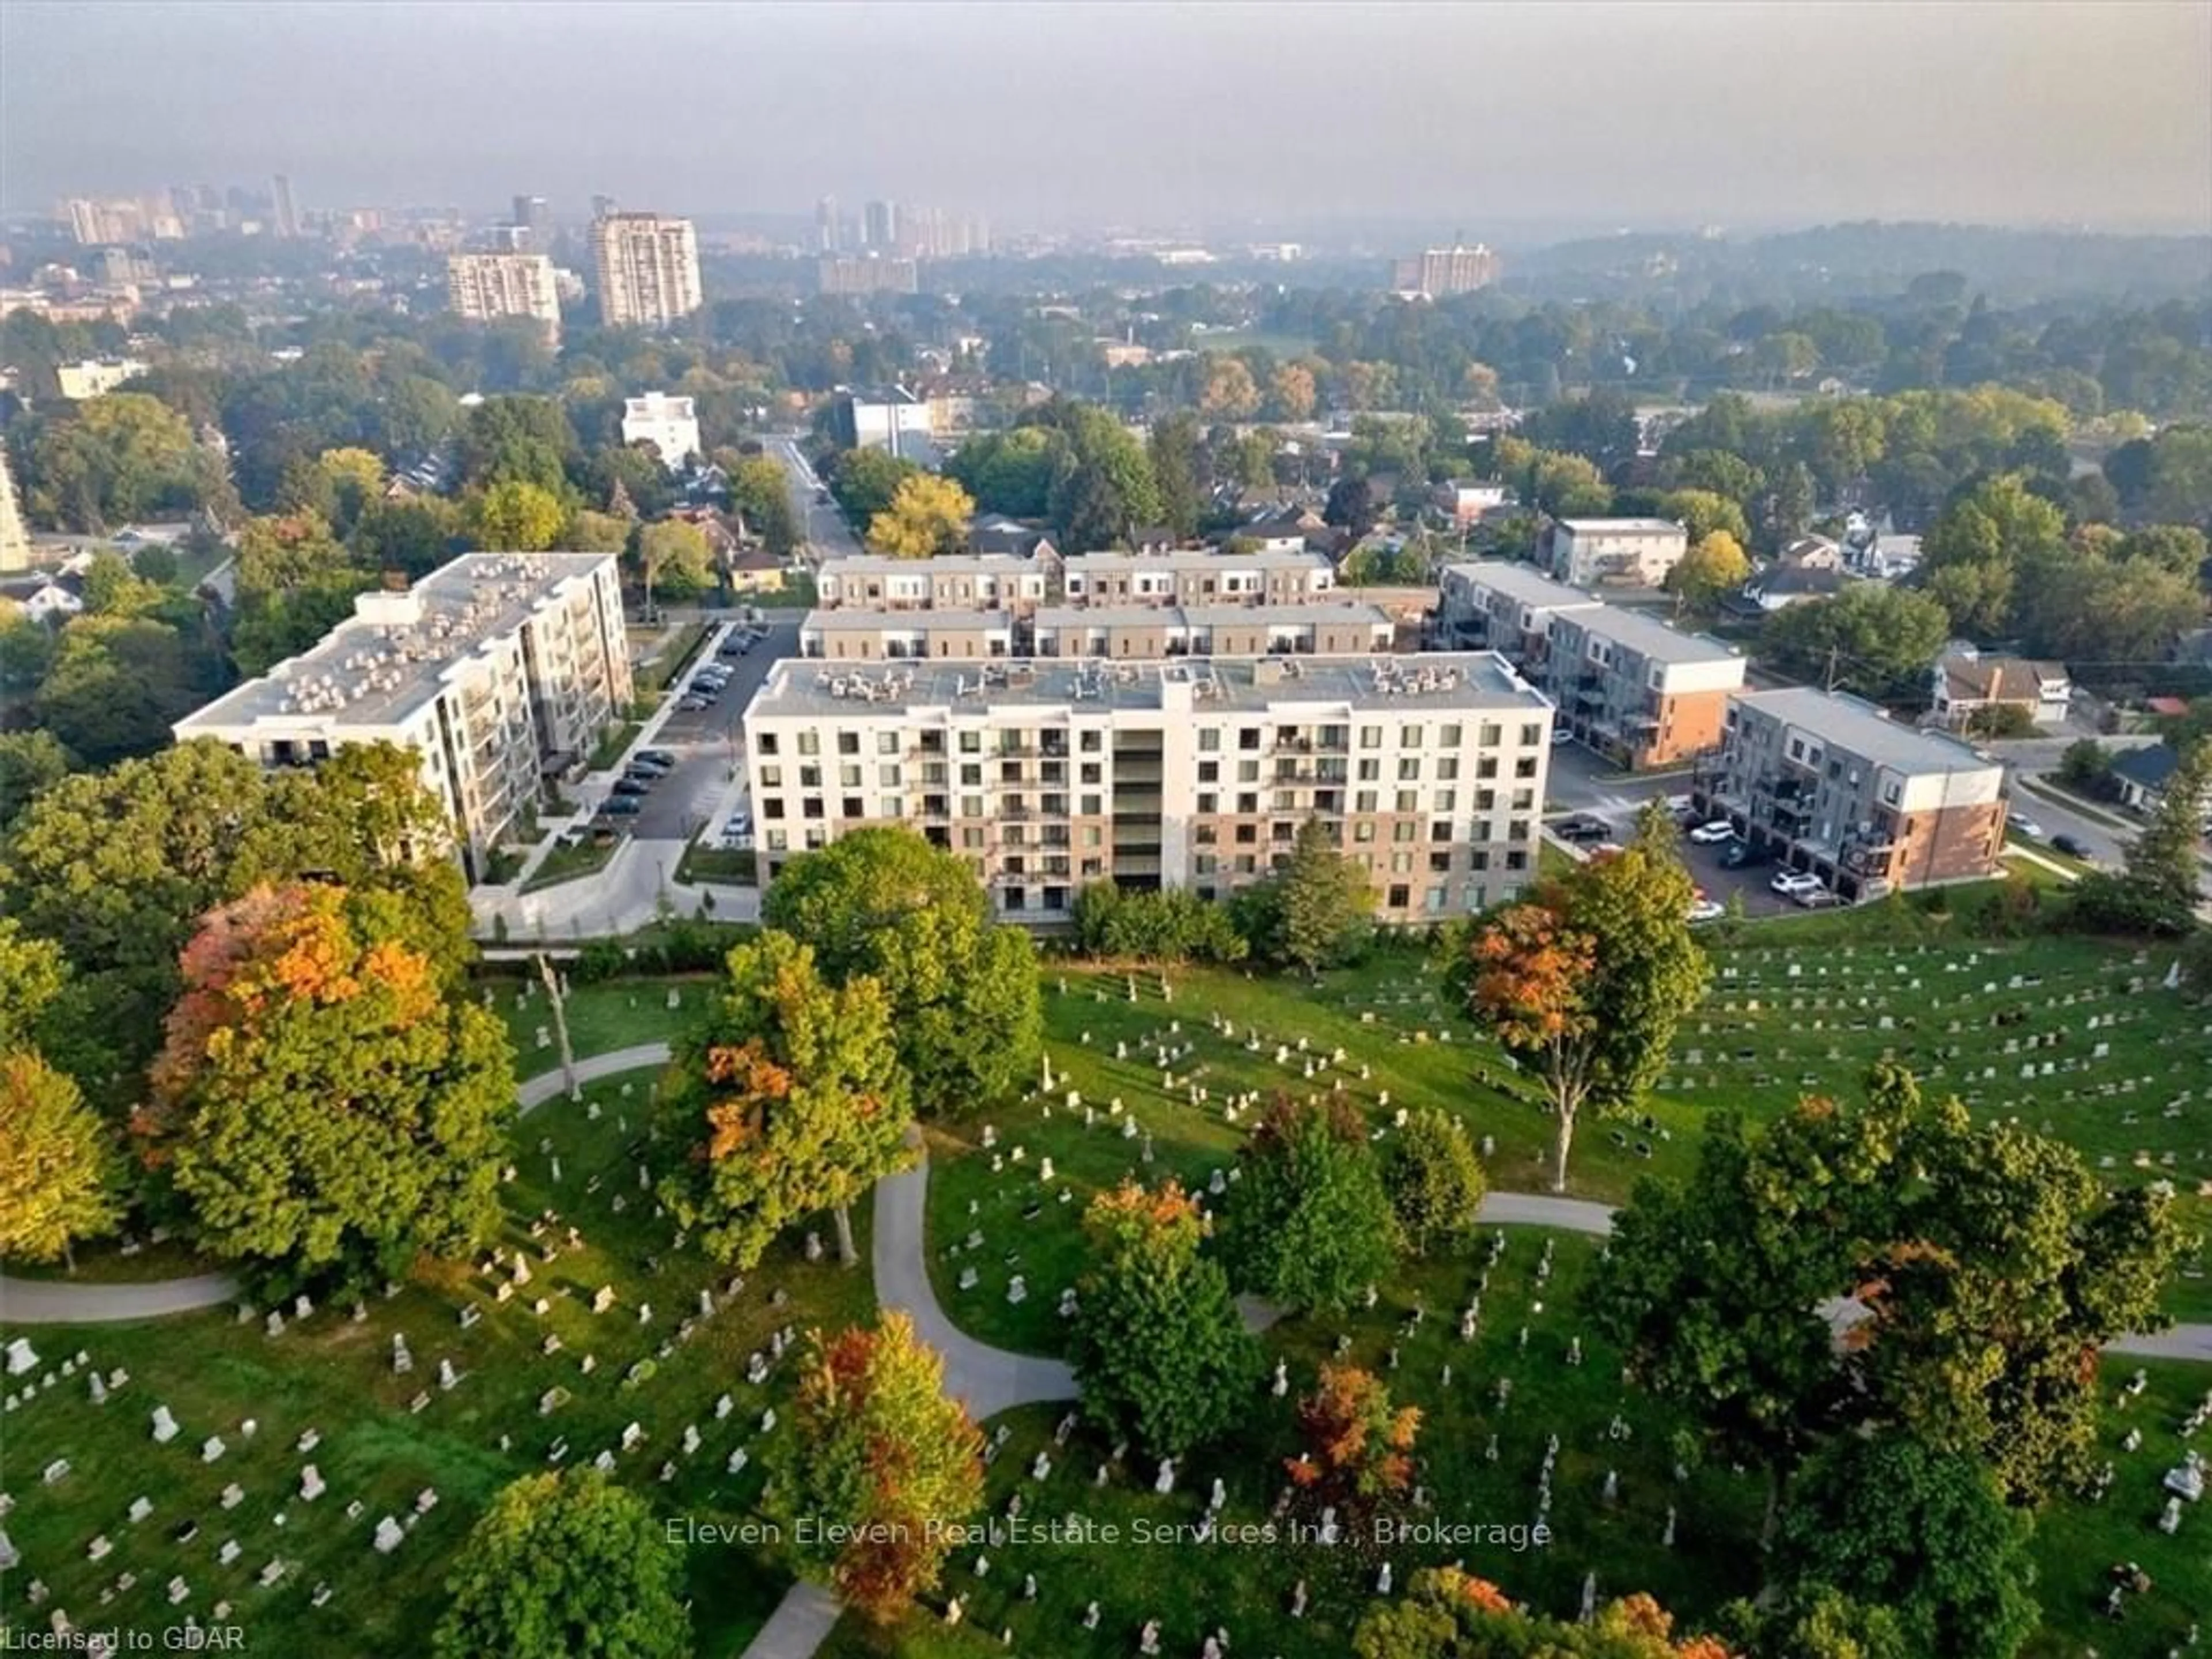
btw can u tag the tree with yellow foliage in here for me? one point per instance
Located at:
(1717, 565)
(55, 1162)
(926, 517)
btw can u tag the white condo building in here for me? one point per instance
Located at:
(1195, 772)
(498, 670)
(670, 424)
(648, 269)
(486, 286)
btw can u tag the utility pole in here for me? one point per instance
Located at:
(1834, 650)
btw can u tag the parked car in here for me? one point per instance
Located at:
(1582, 827)
(1561, 736)
(1791, 883)
(2072, 848)
(1815, 898)
(646, 767)
(2028, 827)
(1707, 910)
(692, 705)
(1743, 855)
(1711, 834)
(658, 757)
(620, 806)
(628, 785)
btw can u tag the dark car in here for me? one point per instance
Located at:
(620, 806)
(658, 757)
(1742, 855)
(640, 767)
(628, 786)
(2072, 848)
(1581, 829)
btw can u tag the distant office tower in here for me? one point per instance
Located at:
(880, 227)
(825, 225)
(15, 540)
(484, 286)
(286, 214)
(535, 215)
(648, 268)
(604, 207)
(846, 273)
(1441, 271)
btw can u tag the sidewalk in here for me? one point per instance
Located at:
(621, 898)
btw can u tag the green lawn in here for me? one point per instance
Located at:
(615, 1014)
(569, 863)
(612, 743)
(332, 1376)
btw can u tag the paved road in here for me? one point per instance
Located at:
(60, 1301)
(827, 535)
(709, 743)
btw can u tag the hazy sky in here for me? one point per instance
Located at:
(1651, 114)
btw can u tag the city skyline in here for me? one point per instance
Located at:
(2044, 114)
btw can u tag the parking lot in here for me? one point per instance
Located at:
(1715, 880)
(708, 744)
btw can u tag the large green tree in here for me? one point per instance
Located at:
(119, 684)
(879, 1466)
(1164, 1358)
(1435, 1183)
(1991, 544)
(1585, 981)
(884, 904)
(112, 459)
(57, 1166)
(324, 1109)
(1447, 1614)
(1310, 1225)
(1925, 1535)
(792, 1102)
(29, 761)
(1315, 911)
(566, 1565)
(1872, 638)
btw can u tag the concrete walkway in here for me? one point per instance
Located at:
(62, 1302)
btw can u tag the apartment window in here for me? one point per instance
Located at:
(1370, 736)
(1363, 800)
(971, 774)
(1248, 771)
(1403, 832)
(1485, 800)
(1531, 735)
(1524, 800)
(1209, 740)
(1401, 896)
(971, 806)
(771, 777)
(1092, 805)
(766, 743)
(853, 806)
(1090, 835)
(1401, 863)
(1209, 803)
(1444, 800)
(1409, 737)
(1485, 766)
(1479, 858)
(887, 777)
(1088, 741)
(848, 743)
(890, 806)
(1093, 773)
(1409, 767)
(1440, 864)
(849, 776)
(1432, 901)
(772, 806)
(1247, 737)
(1440, 830)
(1204, 864)
(1247, 801)
(1209, 771)
(1246, 835)
(887, 742)
(1409, 800)
(1371, 771)
(1448, 737)
(778, 842)
(1364, 830)
(810, 806)
(1205, 834)
(809, 777)
(971, 742)
(1489, 736)
(1892, 792)
(1517, 859)
(810, 743)
(1525, 767)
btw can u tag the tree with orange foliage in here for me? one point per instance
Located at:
(323, 1108)
(1585, 983)
(793, 1100)
(1164, 1358)
(1360, 1447)
(878, 1453)
(1447, 1614)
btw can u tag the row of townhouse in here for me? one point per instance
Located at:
(1639, 692)
(1194, 774)
(500, 671)
(1003, 581)
(1130, 632)
(1830, 783)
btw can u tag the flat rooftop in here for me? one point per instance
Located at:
(1193, 559)
(1852, 724)
(953, 564)
(861, 620)
(1651, 636)
(1523, 582)
(1623, 526)
(1317, 613)
(381, 664)
(1439, 680)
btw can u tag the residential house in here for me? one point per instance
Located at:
(2145, 774)
(1780, 585)
(1464, 504)
(755, 570)
(1968, 683)
(1612, 552)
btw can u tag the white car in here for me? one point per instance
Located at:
(2028, 827)
(1561, 736)
(1707, 910)
(1707, 835)
(1791, 883)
